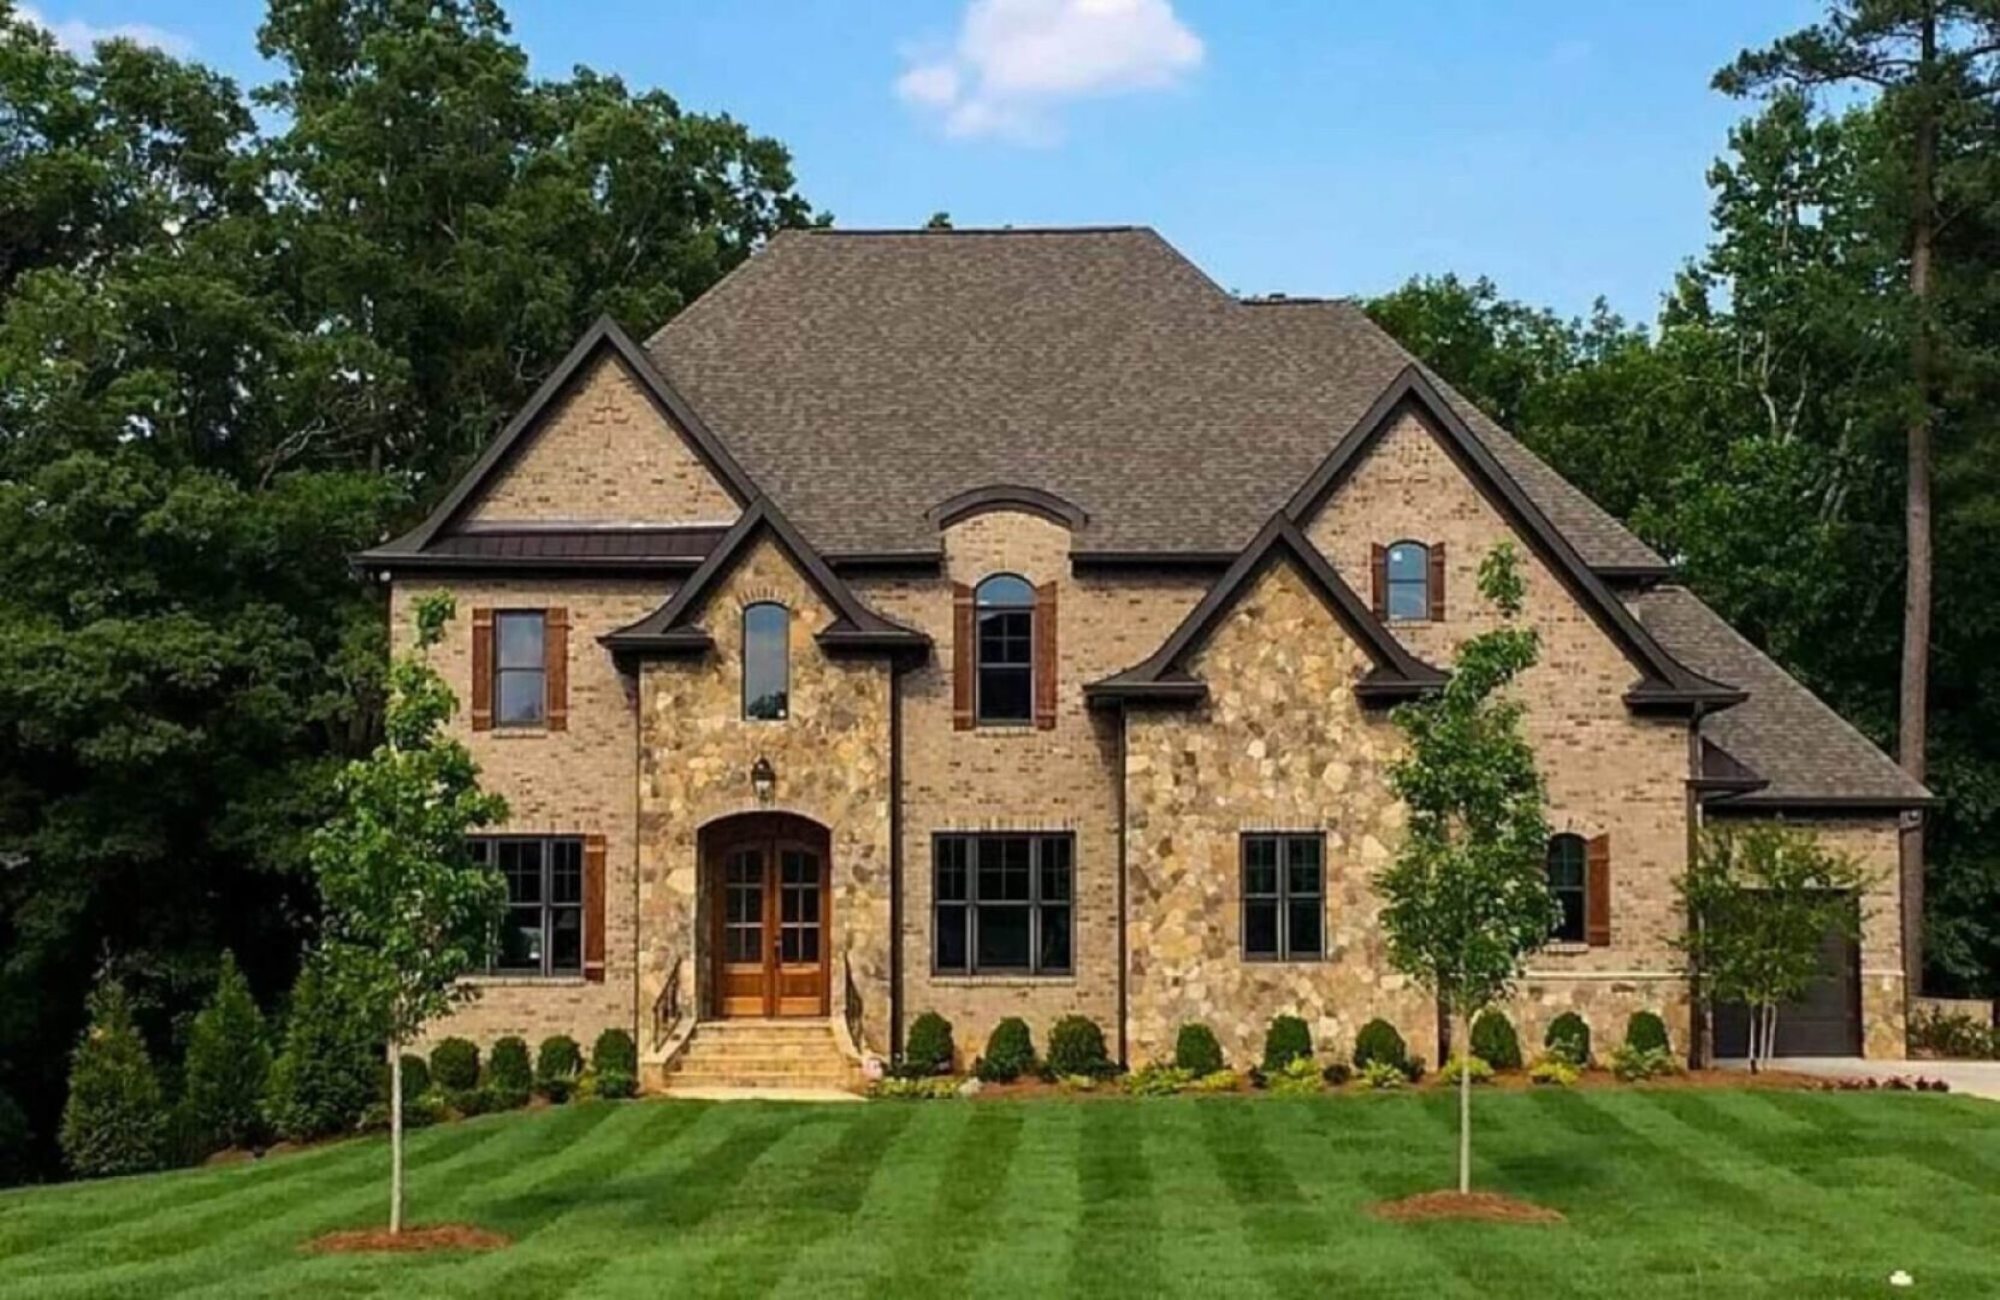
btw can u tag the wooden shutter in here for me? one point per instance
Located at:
(593, 908)
(963, 630)
(482, 670)
(1046, 674)
(1597, 892)
(1436, 583)
(555, 667)
(1378, 570)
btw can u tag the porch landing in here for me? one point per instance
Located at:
(771, 1056)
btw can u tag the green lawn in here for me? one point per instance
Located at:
(1668, 1192)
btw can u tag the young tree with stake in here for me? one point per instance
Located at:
(408, 910)
(1467, 897)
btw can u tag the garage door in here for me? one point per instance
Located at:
(1826, 1022)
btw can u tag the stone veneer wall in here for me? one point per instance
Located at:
(606, 454)
(1281, 744)
(575, 782)
(831, 756)
(1608, 771)
(1019, 778)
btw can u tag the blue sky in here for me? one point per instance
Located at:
(1296, 146)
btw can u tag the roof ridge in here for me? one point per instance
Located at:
(937, 231)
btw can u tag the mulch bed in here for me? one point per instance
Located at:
(1484, 1207)
(410, 1241)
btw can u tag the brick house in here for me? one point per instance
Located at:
(1006, 623)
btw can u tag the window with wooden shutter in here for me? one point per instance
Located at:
(555, 662)
(1046, 683)
(593, 908)
(1437, 582)
(482, 670)
(963, 633)
(1378, 579)
(1597, 892)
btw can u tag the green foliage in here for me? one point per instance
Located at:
(228, 1065)
(1286, 1039)
(558, 1063)
(326, 1071)
(1383, 1075)
(929, 1048)
(614, 1061)
(1076, 1048)
(1378, 1043)
(14, 1139)
(1297, 1077)
(1158, 1080)
(1568, 1037)
(1494, 1040)
(1632, 1064)
(1646, 1032)
(1077, 1082)
(926, 1088)
(416, 1077)
(1555, 1070)
(115, 1121)
(1479, 1068)
(1010, 1052)
(1219, 1081)
(1196, 1050)
(1336, 1073)
(1953, 1036)
(510, 1078)
(455, 1064)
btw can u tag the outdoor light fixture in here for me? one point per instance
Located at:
(763, 779)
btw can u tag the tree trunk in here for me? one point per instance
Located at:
(1913, 698)
(395, 1138)
(1465, 1111)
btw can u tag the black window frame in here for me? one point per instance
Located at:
(1283, 897)
(1421, 584)
(1038, 904)
(502, 670)
(486, 850)
(1560, 932)
(784, 662)
(983, 609)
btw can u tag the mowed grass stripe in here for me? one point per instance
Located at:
(938, 1238)
(1113, 1247)
(1036, 1209)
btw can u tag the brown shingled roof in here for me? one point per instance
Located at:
(864, 378)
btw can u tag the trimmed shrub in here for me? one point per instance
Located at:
(329, 1066)
(929, 1049)
(929, 1088)
(1337, 1073)
(510, 1079)
(1495, 1042)
(1378, 1043)
(614, 1059)
(1010, 1052)
(1220, 1081)
(1556, 1070)
(1286, 1040)
(416, 1078)
(114, 1121)
(1569, 1038)
(228, 1066)
(1384, 1075)
(1637, 1064)
(1478, 1067)
(1297, 1077)
(1158, 1081)
(1647, 1032)
(455, 1065)
(1195, 1049)
(558, 1062)
(1076, 1049)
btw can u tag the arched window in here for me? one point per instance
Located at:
(1409, 580)
(767, 667)
(1567, 861)
(1005, 608)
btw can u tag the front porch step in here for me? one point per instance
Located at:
(793, 1054)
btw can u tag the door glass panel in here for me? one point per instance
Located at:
(743, 908)
(799, 903)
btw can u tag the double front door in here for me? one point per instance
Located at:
(770, 909)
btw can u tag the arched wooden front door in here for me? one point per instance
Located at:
(768, 901)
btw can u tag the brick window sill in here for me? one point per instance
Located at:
(1003, 981)
(524, 981)
(519, 733)
(1565, 950)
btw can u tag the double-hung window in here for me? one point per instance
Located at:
(1284, 897)
(1003, 904)
(1568, 871)
(1005, 607)
(542, 933)
(1409, 578)
(520, 671)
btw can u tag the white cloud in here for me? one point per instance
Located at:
(78, 36)
(1015, 62)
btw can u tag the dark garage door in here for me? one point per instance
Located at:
(1826, 1022)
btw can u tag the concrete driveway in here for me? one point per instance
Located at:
(1973, 1078)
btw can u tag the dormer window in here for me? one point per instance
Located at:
(1409, 581)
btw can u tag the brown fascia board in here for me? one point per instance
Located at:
(1824, 805)
(1161, 677)
(1723, 775)
(1667, 682)
(604, 333)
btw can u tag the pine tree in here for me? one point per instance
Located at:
(115, 1122)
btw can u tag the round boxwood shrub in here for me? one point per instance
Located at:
(455, 1064)
(1196, 1050)
(929, 1049)
(1495, 1042)
(1569, 1038)
(1076, 1049)
(1286, 1040)
(558, 1062)
(330, 1067)
(1646, 1032)
(114, 1121)
(509, 1077)
(614, 1059)
(1378, 1043)
(1010, 1052)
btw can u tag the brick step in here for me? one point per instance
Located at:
(765, 1028)
(706, 1065)
(760, 1079)
(789, 1050)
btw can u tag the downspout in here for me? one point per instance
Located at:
(1697, 1044)
(1124, 955)
(638, 851)
(895, 858)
